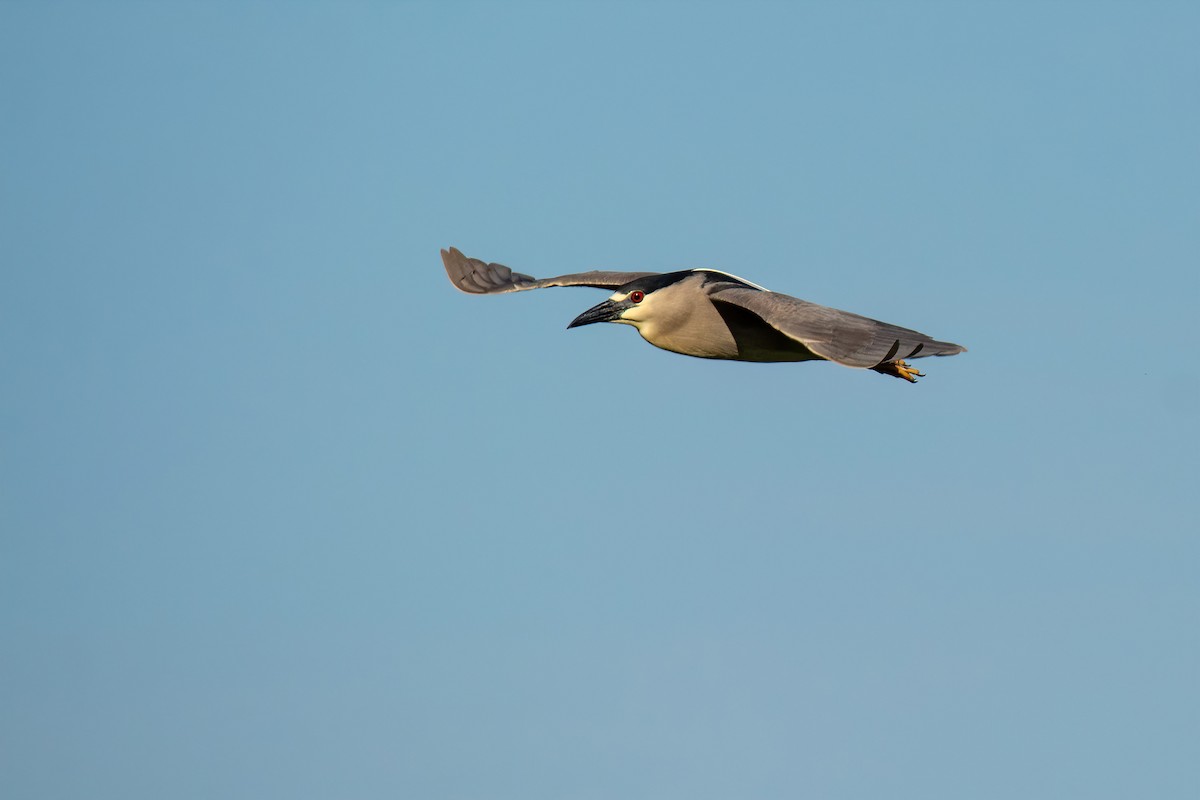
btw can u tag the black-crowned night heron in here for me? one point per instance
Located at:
(711, 314)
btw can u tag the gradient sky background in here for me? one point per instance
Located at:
(284, 515)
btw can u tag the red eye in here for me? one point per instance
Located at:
(636, 296)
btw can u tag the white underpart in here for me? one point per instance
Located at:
(679, 317)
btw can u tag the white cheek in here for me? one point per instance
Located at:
(635, 316)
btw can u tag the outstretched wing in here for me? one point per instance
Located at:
(836, 335)
(476, 277)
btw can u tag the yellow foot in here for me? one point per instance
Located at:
(909, 374)
(899, 369)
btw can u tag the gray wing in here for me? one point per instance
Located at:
(836, 335)
(476, 277)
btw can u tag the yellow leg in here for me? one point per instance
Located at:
(899, 369)
(909, 374)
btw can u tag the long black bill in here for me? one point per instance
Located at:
(607, 311)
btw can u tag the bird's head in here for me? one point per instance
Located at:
(635, 302)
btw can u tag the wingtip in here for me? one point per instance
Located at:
(452, 257)
(948, 349)
(456, 268)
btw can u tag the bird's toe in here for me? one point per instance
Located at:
(899, 369)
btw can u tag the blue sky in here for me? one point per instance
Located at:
(283, 514)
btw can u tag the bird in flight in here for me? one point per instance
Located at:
(711, 314)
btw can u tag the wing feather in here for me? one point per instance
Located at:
(478, 277)
(839, 336)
